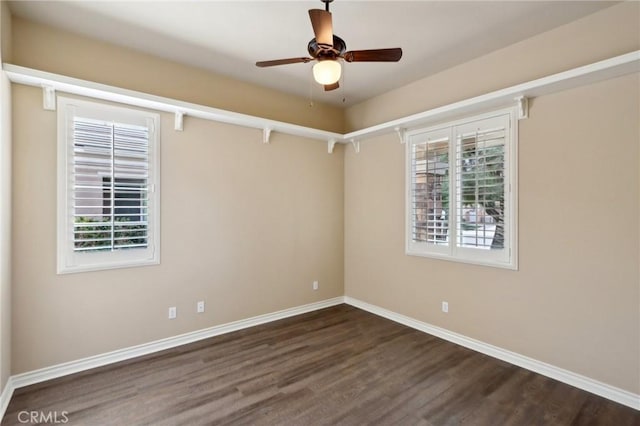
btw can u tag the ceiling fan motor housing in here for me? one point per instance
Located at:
(321, 51)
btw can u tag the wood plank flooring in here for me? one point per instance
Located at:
(336, 366)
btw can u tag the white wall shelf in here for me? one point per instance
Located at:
(518, 94)
(59, 83)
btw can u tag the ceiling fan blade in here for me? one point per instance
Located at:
(374, 55)
(263, 64)
(322, 26)
(334, 86)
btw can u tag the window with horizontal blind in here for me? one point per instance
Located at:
(108, 192)
(461, 190)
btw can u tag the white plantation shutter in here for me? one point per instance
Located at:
(108, 188)
(429, 183)
(460, 202)
(480, 184)
(110, 185)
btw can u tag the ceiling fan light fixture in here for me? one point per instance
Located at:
(327, 72)
(330, 50)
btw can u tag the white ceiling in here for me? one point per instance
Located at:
(228, 37)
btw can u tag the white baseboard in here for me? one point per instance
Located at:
(59, 370)
(5, 397)
(602, 389)
(585, 383)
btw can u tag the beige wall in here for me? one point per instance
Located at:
(6, 46)
(5, 202)
(48, 49)
(602, 35)
(246, 227)
(575, 300)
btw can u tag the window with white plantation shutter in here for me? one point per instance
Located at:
(107, 187)
(461, 191)
(429, 202)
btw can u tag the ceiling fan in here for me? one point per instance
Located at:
(327, 48)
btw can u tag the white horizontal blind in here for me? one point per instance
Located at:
(480, 184)
(429, 190)
(110, 185)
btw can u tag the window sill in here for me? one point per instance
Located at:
(512, 265)
(63, 270)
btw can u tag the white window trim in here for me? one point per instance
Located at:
(69, 261)
(458, 254)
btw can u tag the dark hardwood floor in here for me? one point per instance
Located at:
(339, 365)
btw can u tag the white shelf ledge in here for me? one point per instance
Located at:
(518, 94)
(588, 74)
(60, 83)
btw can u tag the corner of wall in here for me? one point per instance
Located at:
(5, 32)
(5, 229)
(5, 200)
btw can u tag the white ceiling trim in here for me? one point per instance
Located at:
(588, 74)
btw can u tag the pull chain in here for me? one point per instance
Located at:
(310, 90)
(343, 85)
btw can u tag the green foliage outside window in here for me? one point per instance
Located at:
(97, 234)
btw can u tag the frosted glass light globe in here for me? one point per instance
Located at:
(327, 71)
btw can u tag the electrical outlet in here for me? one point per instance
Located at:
(173, 312)
(445, 307)
(315, 285)
(200, 307)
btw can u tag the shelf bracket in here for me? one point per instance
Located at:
(49, 98)
(331, 143)
(266, 134)
(356, 145)
(523, 107)
(178, 123)
(401, 134)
